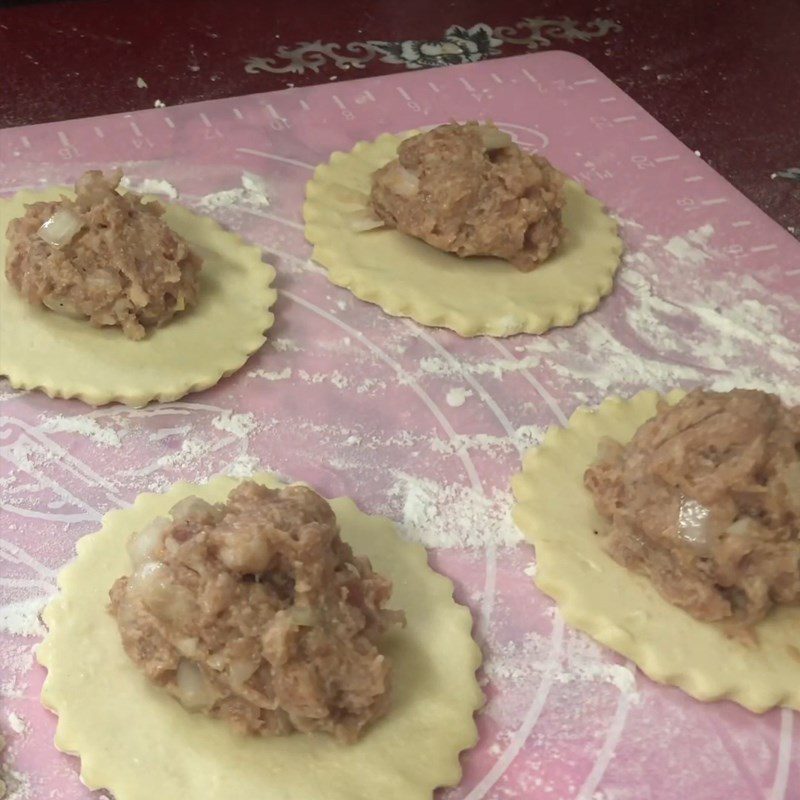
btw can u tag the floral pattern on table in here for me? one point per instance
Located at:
(457, 45)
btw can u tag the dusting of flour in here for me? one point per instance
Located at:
(85, 426)
(721, 330)
(457, 396)
(450, 515)
(149, 186)
(252, 192)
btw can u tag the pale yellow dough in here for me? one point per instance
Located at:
(67, 357)
(475, 296)
(622, 609)
(136, 741)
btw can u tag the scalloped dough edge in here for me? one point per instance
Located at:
(621, 609)
(77, 734)
(366, 156)
(22, 374)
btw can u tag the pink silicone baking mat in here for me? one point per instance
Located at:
(417, 423)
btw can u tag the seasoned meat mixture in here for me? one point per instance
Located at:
(705, 501)
(469, 190)
(258, 613)
(106, 256)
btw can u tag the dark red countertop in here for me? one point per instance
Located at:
(723, 76)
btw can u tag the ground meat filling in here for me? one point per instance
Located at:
(469, 190)
(705, 501)
(258, 613)
(106, 256)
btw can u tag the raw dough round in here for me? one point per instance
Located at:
(622, 609)
(474, 296)
(66, 357)
(137, 742)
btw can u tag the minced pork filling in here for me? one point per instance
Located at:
(105, 256)
(469, 190)
(705, 501)
(256, 612)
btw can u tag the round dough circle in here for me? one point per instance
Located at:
(622, 609)
(137, 742)
(473, 296)
(66, 357)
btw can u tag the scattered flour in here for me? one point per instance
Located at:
(244, 466)
(524, 437)
(17, 785)
(335, 377)
(240, 425)
(721, 330)
(252, 192)
(150, 186)
(21, 618)
(285, 345)
(473, 441)
(159, 104)
(192, 453)
(85, 426)
(271, 376)
(256, 188)
(690, 250)
(443, 367)
(370, 383)
(527, 659)
(685, 251)
(141, 83)
(529, 435)
(451, 515)
(17, 723)
(456, 397)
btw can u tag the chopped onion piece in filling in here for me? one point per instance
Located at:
(494, 139)
(404, 182)
(192, 688)
(61, 306)
(693, 523)
(361, 221)
(144, 544)
(61, 228)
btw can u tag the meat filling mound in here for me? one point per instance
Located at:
(705, 501)
(104, 255)
(256, 612)
(469, 190)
